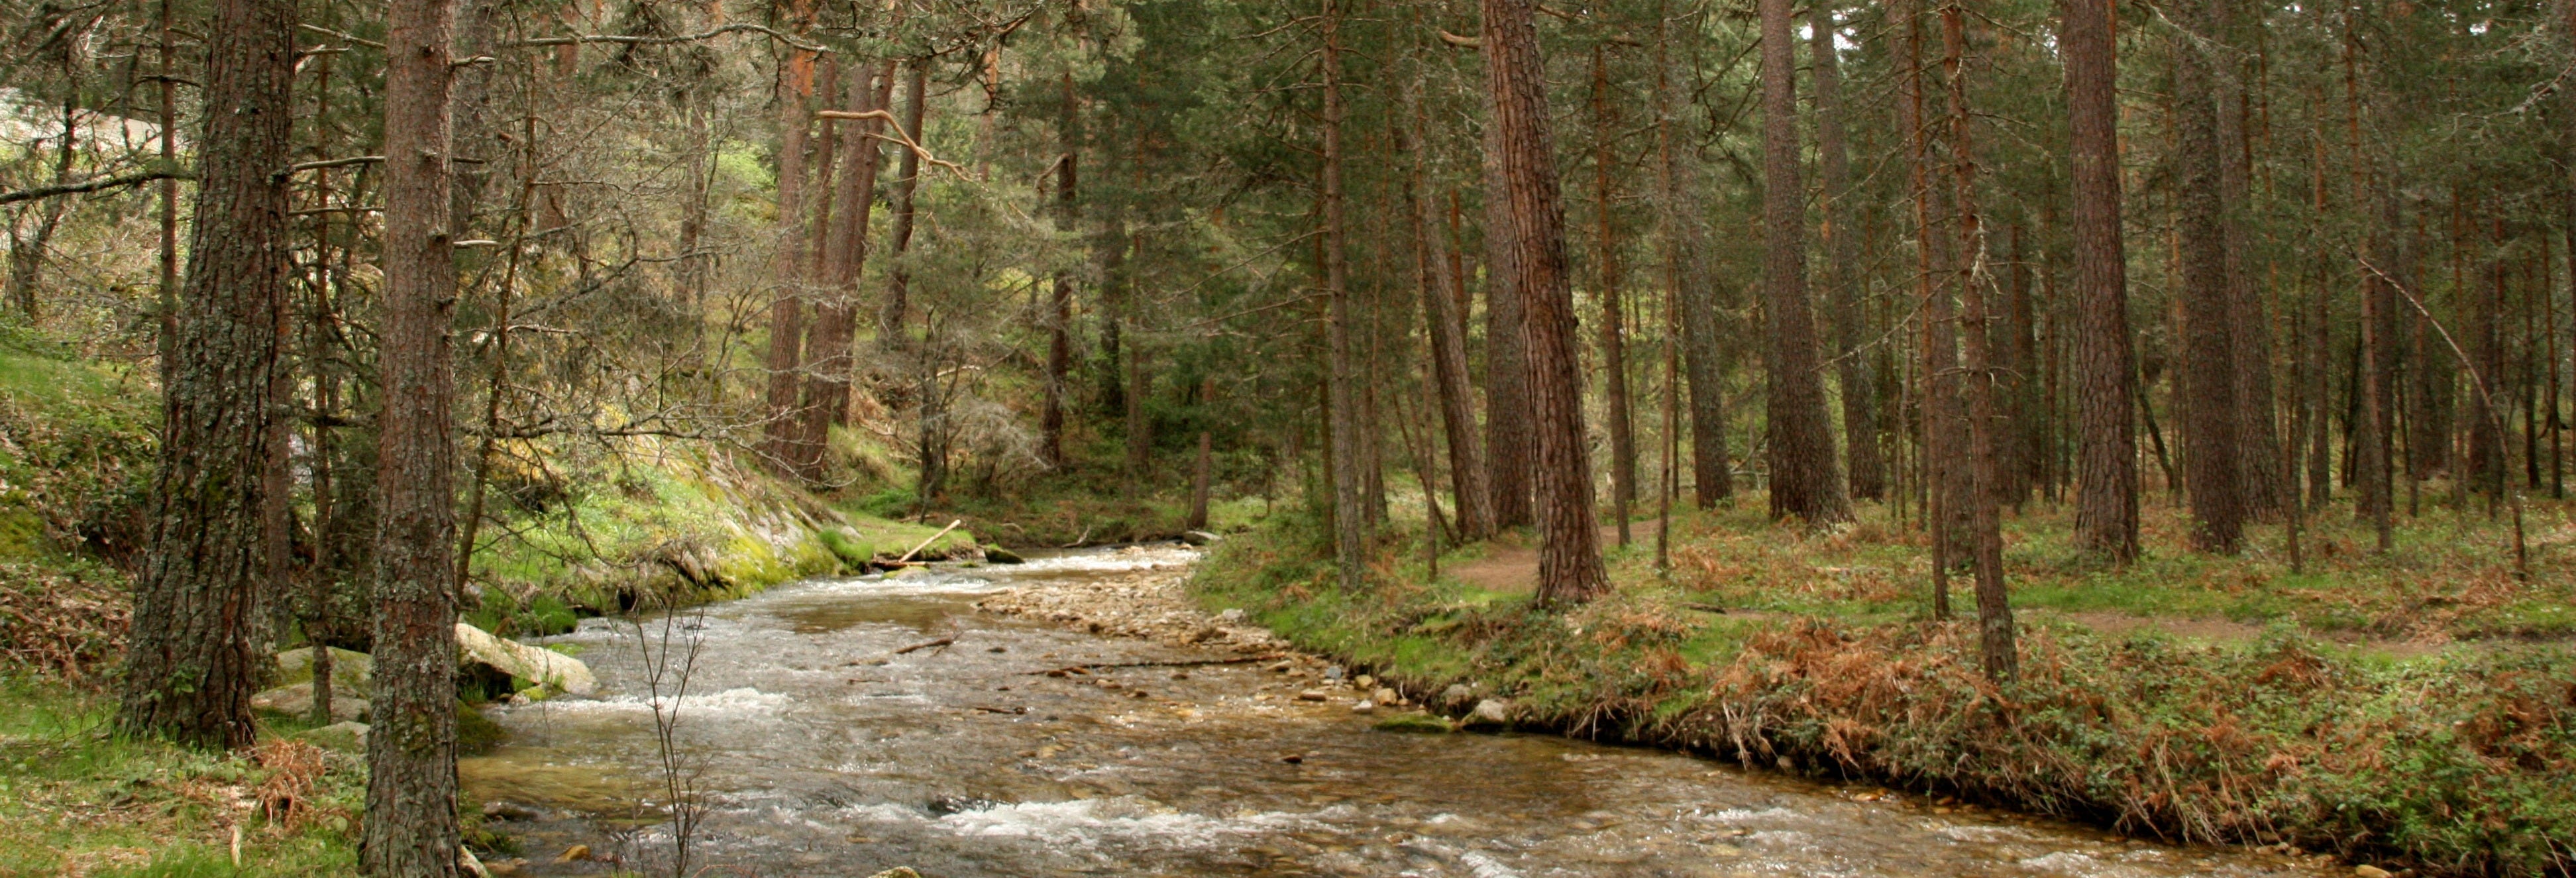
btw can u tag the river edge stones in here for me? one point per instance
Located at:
(1152, 602)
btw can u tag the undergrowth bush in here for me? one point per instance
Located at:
(2457, 763)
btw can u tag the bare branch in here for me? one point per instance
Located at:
(94, 184)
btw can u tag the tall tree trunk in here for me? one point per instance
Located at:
(1946, 475)
(907, 178)
(1994, 607)
(1446, 328)
(2486, 351)
(167, 289)
(785, 357)
(2020, 467)
(2209, 416)
(199, 647)
(828, 358)
(1569, 561)
(1351, 516)
(1510, 450)
(2319, 346)
(1140, 430)
(2264, 484)
(1200, 476)
(2106, 512)
(1866, 467)
(411, 827)
(1806, 479)
(1059, 315)
(1711, 478)
(2368, 447)
(1614, 354)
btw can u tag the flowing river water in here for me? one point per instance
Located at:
(819, 751)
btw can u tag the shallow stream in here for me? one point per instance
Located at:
(819, 751)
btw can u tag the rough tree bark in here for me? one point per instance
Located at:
(1995, 639)
(1342, 380)
(1614, 354)
(1711, 478)
(787, 301)
(199, 645)
(1509, 449)
(1569, 563)
(1068, 214)
(2264, 483)
(1446, 328)
(2106, 472)
(2211, 447)
(907, 178)
(1806, 480)
(828, 358)
(1865, 466)
(411, 827)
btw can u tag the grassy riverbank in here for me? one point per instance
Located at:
(75, 800)
(2414, 711)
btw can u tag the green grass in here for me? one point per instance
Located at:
(2448, 577)
(77, 800)
(2450, 762)
(80, 440)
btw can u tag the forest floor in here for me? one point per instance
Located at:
(2415, 709)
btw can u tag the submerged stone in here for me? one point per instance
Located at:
(1421, 723)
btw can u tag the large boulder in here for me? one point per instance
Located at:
(352, 673)
(297, 701)
(554, 670)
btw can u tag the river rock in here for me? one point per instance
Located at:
(1490, 713)
(2369, 871)
(351, 672)
(297, 701)
(500, 809)
(1457, 695)
(1413, 722)
(1363, 706)
(1384, 695)
(350, 737)
(999, 555)
(1313, 695)
(554, 670)
(897, 872)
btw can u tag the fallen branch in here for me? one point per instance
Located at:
(926, 644)
(1088, 668)
(1006, 711)
(907, 556)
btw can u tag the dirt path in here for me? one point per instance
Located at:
(1511, 565)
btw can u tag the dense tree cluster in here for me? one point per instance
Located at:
(1545, 263)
